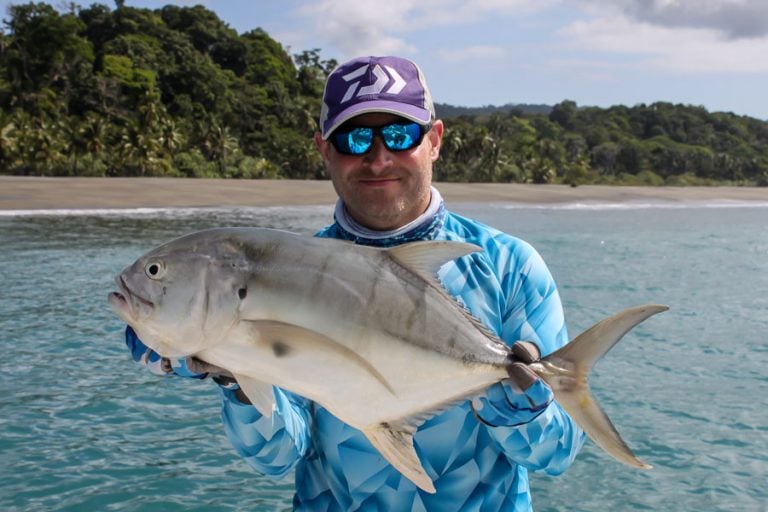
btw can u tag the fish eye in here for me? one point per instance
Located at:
(155, 269)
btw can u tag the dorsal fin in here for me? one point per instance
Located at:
(426, 258)
(480, 325)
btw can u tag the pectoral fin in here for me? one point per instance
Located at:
(396, 446)
(286, 340)
(259, 393)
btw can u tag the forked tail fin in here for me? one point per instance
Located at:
(567, 370)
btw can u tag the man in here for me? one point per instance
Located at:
(379, 138)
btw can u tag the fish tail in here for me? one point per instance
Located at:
(567, 371)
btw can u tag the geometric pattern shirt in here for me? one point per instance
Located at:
(478, 453)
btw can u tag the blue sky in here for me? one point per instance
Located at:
(712, 53)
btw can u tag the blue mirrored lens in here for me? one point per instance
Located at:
(358, 140)
(399, 137)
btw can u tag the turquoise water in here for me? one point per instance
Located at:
(84, 428)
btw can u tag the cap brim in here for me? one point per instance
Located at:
(411, 112)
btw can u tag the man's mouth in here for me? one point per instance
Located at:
(378, 182)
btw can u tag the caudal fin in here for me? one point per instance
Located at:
(570, 367)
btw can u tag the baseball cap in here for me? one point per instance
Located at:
(392, 85)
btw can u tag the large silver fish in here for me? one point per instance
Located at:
(370, 334)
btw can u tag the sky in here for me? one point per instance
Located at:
(712, 53)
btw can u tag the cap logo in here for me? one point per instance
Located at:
(383, 79)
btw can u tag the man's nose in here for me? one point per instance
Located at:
(379, 157)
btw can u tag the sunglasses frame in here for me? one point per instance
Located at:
(378, 132)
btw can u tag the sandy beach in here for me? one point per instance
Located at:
(36, 193)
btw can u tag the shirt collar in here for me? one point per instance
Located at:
(424, 227)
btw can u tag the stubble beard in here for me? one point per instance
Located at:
(384, 213)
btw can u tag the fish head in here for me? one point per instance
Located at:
(184, 296)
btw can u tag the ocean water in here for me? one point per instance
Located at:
(84, 428)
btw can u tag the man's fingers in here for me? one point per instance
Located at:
(165, 365)
(522, 376)
(199, 366)
(526, 351)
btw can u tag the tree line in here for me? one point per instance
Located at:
(123, 91)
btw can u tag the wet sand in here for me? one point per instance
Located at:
(36, 193)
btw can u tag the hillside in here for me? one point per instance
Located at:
(95, 91)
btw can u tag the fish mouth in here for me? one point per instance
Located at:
(126, 302)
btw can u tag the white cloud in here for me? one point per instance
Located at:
(457, 12)
(735, 19)
(688, 50)
(356, 27)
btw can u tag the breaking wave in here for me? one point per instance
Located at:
(171, 212)
(634, 205)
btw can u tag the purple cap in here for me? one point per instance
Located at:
(375, 84)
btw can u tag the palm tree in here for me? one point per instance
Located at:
(219, 145)
(139, 150)
(72, 142)
(171, 138)
(94, 133)
(8, 146)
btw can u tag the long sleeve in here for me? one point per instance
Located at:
(548, 439)
(548, 443)
(477, 465)
(272, 445)
(510, 289)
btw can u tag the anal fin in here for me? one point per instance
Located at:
(396, 446)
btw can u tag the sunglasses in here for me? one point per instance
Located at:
(358, 140)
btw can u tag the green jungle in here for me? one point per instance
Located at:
(100, 91)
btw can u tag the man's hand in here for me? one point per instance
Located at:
(198, 366)
(188, 367)
(220, 376)
(526, 353)
(518, 399)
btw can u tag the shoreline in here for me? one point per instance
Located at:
(47, 193)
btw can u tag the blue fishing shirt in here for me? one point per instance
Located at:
(477, 453)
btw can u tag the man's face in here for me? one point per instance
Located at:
(381, 189)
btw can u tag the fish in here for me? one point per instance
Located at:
(370, 334)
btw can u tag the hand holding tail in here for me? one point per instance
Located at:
(520, 398)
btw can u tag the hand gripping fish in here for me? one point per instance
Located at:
(368, 333)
